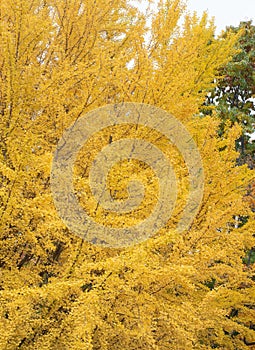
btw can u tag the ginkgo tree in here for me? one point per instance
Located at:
(59, 60)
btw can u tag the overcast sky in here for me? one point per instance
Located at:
(226, 12)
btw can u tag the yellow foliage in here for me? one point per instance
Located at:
(60, 59)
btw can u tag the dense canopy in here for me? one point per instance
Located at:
(59, 60)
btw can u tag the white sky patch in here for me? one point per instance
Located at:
(225, 12)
